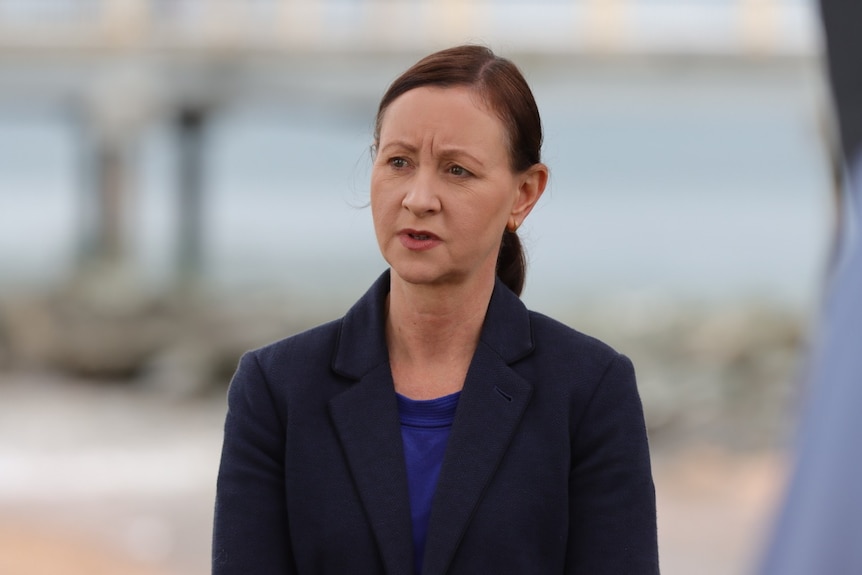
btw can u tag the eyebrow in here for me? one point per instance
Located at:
(446, 152)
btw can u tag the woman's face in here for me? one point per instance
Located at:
(442, 189)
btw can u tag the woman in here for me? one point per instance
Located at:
(440, 426)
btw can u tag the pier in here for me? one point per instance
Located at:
(116, 67)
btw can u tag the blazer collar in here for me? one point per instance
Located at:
(366, 419)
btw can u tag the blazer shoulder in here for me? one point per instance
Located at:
(314, 346)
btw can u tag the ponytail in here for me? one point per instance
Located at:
(511, 262)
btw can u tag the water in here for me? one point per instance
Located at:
(691, 179)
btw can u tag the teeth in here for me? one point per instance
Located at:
(419, 236)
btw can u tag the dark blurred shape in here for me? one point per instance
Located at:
(841, 20)
(818, 527)
(191, 124)
(111, 175)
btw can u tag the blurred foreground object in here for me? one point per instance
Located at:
(818, 528)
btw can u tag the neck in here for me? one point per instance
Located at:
(430, 329)
(427, 320)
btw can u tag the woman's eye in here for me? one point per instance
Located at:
(398, 163)
(458, 171)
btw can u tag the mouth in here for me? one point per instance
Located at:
(418, 240)
(419, 235)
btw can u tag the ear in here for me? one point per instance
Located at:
(532, 185)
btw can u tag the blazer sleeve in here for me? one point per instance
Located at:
(250, 533)
(611, 493)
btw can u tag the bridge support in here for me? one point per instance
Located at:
(191, 129)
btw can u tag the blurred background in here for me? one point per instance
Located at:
(182, 180)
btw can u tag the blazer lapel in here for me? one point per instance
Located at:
(490, 407)
(365, 417)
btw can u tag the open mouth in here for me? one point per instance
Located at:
(420, 236)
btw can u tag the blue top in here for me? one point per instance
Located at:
(425, 427)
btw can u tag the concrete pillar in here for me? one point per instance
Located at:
(116, 111)
(191, 132)
(605, 25)
(124, 23)
(758, 24)
(111, 181)
(302, 24)
(457, 21)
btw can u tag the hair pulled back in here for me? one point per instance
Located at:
(503, 89)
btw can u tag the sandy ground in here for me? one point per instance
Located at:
(102, 479)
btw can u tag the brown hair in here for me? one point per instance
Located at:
(503, 89)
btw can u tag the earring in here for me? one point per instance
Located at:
(512, 224)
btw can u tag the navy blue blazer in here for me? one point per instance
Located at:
(547, 468)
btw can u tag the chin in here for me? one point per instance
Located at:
(425, 276)
(416, 275)
(434, 273)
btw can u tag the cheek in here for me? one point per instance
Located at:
(500, 205)
(382, 202)
(375, 194)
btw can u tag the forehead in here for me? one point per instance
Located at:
(453, 115)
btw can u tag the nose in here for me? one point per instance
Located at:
(421, 198)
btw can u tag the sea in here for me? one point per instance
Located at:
(700, 179)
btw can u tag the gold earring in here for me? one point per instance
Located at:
(512, 224)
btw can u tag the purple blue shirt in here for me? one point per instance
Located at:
(425, 427)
